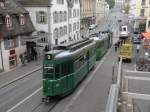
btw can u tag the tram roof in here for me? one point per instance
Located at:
(73, 45)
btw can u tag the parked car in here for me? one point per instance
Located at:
(91, 27)
(119, 20)
(136, 40)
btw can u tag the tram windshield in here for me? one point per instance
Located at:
(48, 70)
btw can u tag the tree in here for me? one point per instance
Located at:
(126, 8)
(111, 3)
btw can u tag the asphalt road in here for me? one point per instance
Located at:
(16, 92)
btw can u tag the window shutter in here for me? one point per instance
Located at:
(45, 14)
(37, 17)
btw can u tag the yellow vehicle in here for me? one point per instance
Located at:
(125, 52)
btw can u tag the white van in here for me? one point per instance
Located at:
(124, 33)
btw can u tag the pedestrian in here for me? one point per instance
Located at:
(118, 43)
(46, 48)
(116, 47)
(138, 48)
(22, 59)
(34, 54)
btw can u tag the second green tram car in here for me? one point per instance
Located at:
(102, 44)
(66, 65)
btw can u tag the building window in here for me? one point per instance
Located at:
(56, 33)
(78, 25)
(65, 16)
(70, 13)
(8, 21)
(2, 4)
(41, 17)
(76, 1)
(74, 26)
(60, 16)
(74, 13)
(61, 31)
(55, 17)
(78, 12)
(65, 30)
(148, 24)
(143, 2)
(142, 12)
(60, 1)
(70, 28)
(22, 19)
(11, 43)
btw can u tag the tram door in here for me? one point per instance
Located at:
(88, 65)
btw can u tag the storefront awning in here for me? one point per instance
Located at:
(146, 35)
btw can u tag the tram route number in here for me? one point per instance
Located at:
(49, 57)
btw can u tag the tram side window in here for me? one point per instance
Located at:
(57, 71)
(66, 68)
(79, 62)
(92, 52)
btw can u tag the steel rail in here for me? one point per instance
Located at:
(19, 78)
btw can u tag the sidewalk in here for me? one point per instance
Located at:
(19, 71)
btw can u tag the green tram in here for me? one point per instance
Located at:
(66, 65)
(102, 45)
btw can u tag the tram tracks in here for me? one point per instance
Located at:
(19, 78)
(46, 107)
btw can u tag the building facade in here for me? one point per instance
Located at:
(119, 3)
(142, 14)
(102, 9)
(74, 20)
(52, 17)
(15, 24)
(88, 12)
(148, 18)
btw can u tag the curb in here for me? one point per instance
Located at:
(21, 77)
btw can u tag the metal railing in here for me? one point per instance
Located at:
(114, 91)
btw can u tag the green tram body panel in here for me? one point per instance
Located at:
(102, 46)
(62, 84)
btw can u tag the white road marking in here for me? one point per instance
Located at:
(21, 102)
(130, 71)
(138, 78)
(137, 96)
(66, 109)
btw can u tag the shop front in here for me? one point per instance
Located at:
(12, 59)
(140, 24)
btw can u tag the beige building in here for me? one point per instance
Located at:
(87, 12)
(102, 9)
(148, 18)
(142, 14)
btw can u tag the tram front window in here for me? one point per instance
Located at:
(48, 71)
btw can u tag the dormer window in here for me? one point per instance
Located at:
(2, 3)
(8, 21)
(22, 19)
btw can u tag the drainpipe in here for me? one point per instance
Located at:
(1, 54)
(49, 27)
(68, 23)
